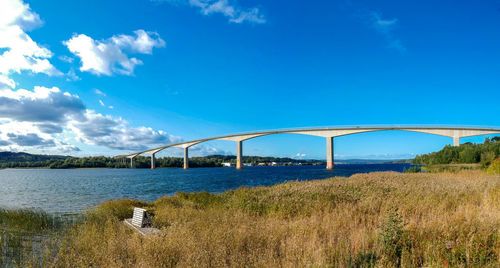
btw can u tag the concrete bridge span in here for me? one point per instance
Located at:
(328, 132)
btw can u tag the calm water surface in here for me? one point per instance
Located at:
(71, 191)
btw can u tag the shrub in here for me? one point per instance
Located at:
(392, 237)
(414, 169)
(487, 158)
(494, 167)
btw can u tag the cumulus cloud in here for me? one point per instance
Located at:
(143, 42)
(386, 27)
(4, 143)
(108, 56)
(37, 119)
(31, 119)
(20, 52)
(116, 133)
(30, 139)
(5, 81)
(48, 119)
(41, 105)
(50, 128)
(232, 11)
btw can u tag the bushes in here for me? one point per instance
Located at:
(415, 169)
(393, 238)
(486, 159)
(494, 168)
(120, 209)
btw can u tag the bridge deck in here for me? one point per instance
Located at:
(327, 132)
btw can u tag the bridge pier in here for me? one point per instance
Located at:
(132, 162)
(329, 153)
(456, 141)
(239, 153)
(153, 161)
(186, 158)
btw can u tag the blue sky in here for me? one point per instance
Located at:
(117, 76)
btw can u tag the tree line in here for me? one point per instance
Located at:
(483, 153)
(64, 162)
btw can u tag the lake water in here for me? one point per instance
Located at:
(72, 190)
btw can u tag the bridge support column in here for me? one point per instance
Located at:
(456, 141)
(239, 152)
(153, 161)
(132, 162)
(329, 153)
(186, 158)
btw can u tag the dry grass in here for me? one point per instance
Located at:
(377, 219)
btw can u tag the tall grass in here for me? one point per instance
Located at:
(384, 219)
(25, 234)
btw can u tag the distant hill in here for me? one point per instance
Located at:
(26, 157)
(371, 161)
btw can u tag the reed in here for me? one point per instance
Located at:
(25, 234)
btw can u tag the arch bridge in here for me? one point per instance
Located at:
(327, 132)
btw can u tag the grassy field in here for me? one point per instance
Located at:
(378, 219)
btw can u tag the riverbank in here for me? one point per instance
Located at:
(383, 219)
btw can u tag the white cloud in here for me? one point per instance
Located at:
(300, 155)
(30, 139)
(42, 119)
(383, 25)
(232, 11)
(103, 105)
(15, 12)
(203, 150)
(66, 59)
(40, 105)
(71, 75)
(99, 92)
(143, 42)
(47, 119)
(20, 52)
(26, 136)
(116, 133)
(386, 27)
(108, 56)
(5, 81)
